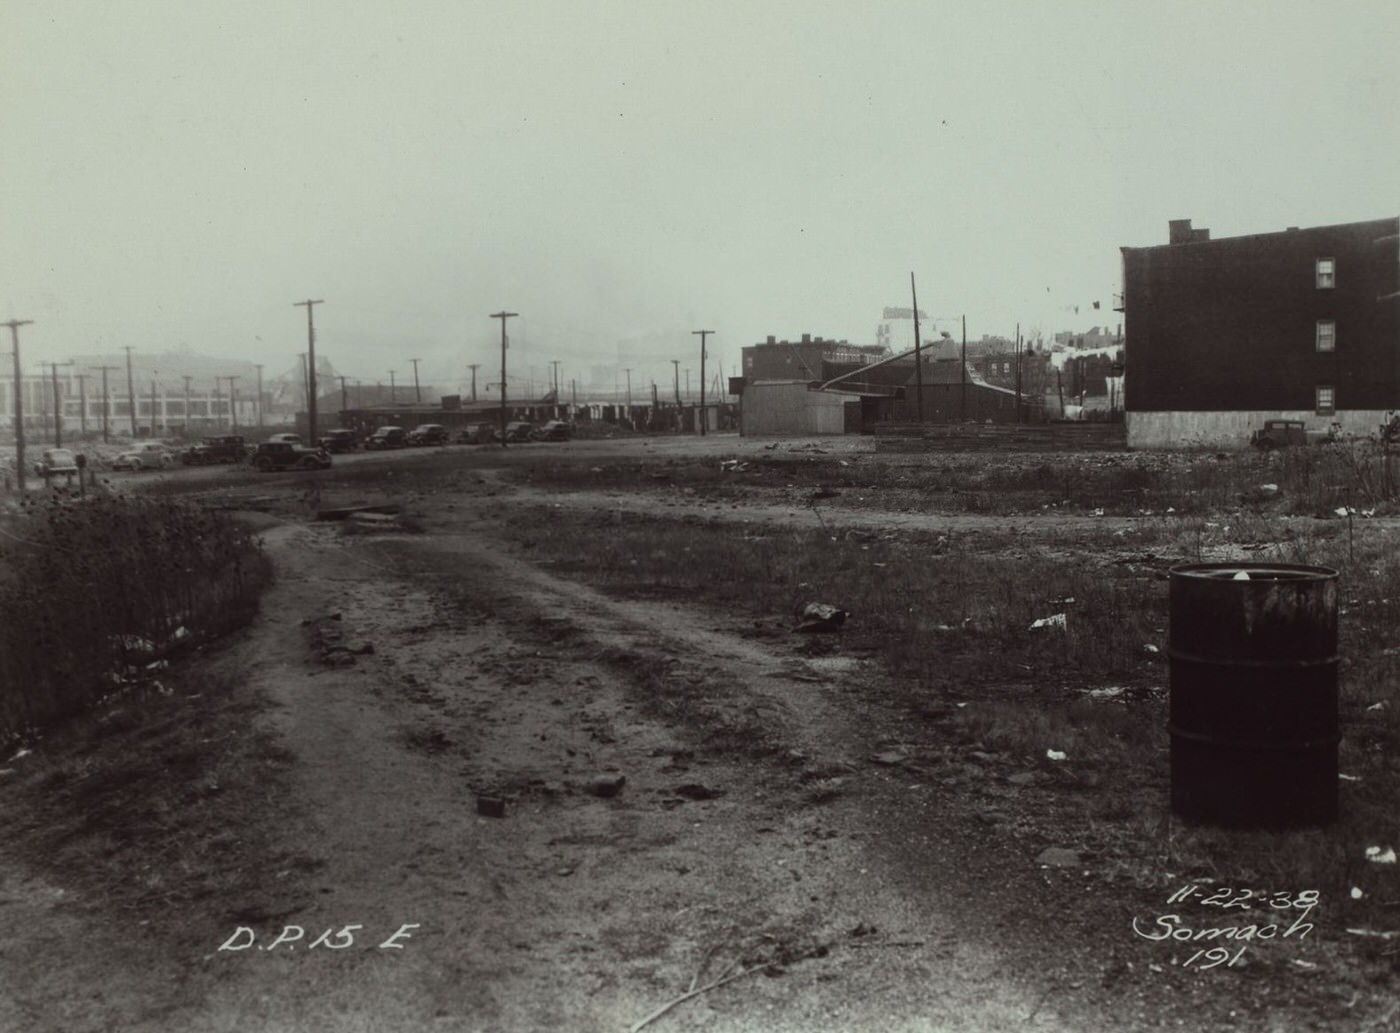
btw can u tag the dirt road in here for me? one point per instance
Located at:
(516, 804)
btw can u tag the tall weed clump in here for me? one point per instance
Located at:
(91, 589)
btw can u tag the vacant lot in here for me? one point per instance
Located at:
(936, 816)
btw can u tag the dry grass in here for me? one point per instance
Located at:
(94, 591)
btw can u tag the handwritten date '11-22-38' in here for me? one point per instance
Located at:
(1258, 914)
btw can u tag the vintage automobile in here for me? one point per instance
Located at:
(56, 462)
(227, 448)
(288, 455)
(285, 437)
(478, 434)
(144, 455)
(340, 440)
(1278, 434)
(554, 430)
(385, 438)
(518, 431)
(428, 434)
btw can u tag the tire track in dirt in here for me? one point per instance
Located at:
(575, 912)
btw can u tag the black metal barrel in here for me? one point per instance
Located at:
(1254, 734)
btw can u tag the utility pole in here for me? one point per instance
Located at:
(417, 391)
(130, 391)
(687, 382)
(474, 366)
(14, 325)
(393, 393)
(963, 406)
(677, 364)
(153, 408)
(1018, 372)
(82, 402)
(918, 359)
(106, 401)
(503, 316)
(259, 367)
(555, 364)
(217, 398)
(187, 378)
(703, 334)
(629, 392)
(57, 402)
(310, 364)
(344, 398)
(232, 403)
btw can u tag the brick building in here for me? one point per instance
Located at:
(1221, 335)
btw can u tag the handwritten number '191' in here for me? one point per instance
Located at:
(1214, 956)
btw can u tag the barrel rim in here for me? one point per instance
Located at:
(1270, 572)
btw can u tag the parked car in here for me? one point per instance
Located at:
(518, 431)
(288, 455)
(228, 448)
(554, 430)
(478, 434)
(144, 455)
(1278, 433)
(56, 462)
(285, 437)
(340, 440)
(428, 434)
(387, 437)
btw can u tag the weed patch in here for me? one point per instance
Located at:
(91, 591)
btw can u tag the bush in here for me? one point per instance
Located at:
(90, 590)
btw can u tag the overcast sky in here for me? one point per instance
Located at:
(179, 173)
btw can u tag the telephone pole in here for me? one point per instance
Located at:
(310, 363)
(702, 334)
(14, 325)
(555, 364)
(503, 316)
(629, 392)
(187, 378)
(106, 403)
(57, 402)
(393, 391)
(474, 366)
(82, 402)
(417, 391)
(130, 390)
(259, 367)
(344, 398)
(677, 364)
(918, 360)
(232, 402)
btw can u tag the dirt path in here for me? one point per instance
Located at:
(576, 911)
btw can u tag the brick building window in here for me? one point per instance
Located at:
(1326, 400)
(1326, 335)
(1326, 273)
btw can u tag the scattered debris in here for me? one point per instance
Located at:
(1054, 755)
(1110, 693)
(1356, 893)
(1377, 706)
(1379, 856)
(491, 806)
(820, 617)
(1022, 778)
(608, 786)
(1058, 857)
(1055, 622)
(889, 758)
